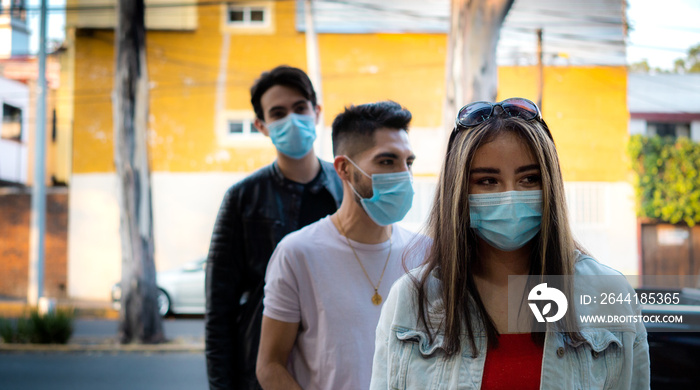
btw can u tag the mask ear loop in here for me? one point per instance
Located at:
(356, 166)
(350, 184)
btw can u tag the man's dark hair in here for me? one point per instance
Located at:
(282, 75)
(353, 130)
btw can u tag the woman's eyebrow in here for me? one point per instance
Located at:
(485, 170)
(526, 168)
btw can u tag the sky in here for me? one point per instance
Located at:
(56, 22)
(661, 30)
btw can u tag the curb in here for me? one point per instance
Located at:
(109, 346)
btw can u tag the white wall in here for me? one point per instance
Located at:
(601, 214)
(603, 220)
(638, 126)
(94, 252)
(185, 207)
(695, 131)
(184, 211)
(5, 42)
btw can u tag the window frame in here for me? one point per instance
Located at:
(20, 122)
(266, 27)
(652, 128)
(247, 11)
(248, 128)
(248, 138)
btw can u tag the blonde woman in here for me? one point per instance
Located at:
(500, 210)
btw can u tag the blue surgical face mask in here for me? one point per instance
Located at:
(392, 196)
(506, 220)
(294, 134)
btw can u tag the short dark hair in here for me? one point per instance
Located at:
(353, 130)
(282, 75)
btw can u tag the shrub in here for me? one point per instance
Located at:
(17, 332)
(668, 178)
(51, 328)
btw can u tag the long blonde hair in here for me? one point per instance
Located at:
(453, 253)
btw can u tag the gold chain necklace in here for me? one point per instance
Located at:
(376, 298)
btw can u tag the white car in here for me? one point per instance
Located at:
(180, 291)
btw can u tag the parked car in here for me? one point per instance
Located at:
(180, 291)
(674, 349)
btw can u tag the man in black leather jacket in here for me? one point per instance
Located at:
(256, 213)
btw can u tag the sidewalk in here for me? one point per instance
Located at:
(87, 311)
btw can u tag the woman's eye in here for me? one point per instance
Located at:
(486, 181)
(532, 179)
(386, 162)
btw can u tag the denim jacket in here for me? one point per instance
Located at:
(610, 357)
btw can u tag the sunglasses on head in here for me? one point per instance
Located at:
(476, 113)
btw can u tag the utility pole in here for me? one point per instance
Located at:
(313, 64)
(38, 215)
(540, 69)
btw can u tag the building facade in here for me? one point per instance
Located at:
(203, 58)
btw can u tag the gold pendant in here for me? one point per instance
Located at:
(376, 299)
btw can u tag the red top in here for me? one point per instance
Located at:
(515, 364)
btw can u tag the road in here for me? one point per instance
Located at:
(109, 370)
(173, 328)
(105, 371)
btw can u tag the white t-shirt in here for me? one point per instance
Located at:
(313, 278)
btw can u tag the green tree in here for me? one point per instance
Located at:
(679, 66)
(689, 64)
(639, 67)
(692, 63)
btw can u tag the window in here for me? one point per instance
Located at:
(664, 129)
(241, 127)
(11, 123)
(247, 16)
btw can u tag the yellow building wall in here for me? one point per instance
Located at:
(586, 111)
(183, 71)
(584, 106)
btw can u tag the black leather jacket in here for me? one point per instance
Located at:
(255, 215)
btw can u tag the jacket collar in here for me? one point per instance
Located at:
(322, 180)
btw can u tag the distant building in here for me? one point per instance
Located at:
(14, 30)
(14, 98)
(665, 105)
(17, 138)
(204, 56)
(18, 94)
